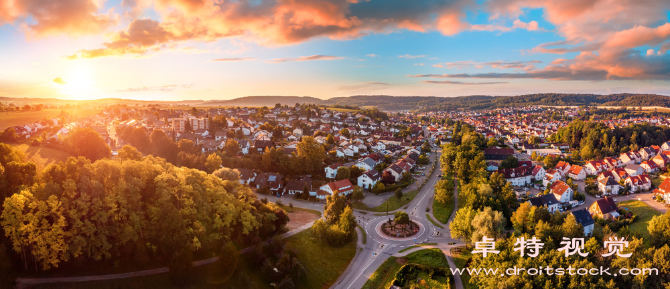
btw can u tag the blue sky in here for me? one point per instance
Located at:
(328, 48)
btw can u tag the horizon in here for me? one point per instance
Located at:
(204, 50)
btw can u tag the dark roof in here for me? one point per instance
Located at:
(606, 205)
(498, 151)
(583, 217)
(246, 174)
(543, 200)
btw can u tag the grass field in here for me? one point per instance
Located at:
(644, 214)
(297, 209)
(393, 203)
(655, 182)
(441, 211)
(382, 278)
(13, 118)
(206, 277)
(41, 156)
(460, 261)
(416, 246)
(313, 255)
(434, 222)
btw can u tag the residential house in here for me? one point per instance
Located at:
(604, 208)
(563, 168)
(366, 164)
(520, 176)
(274, 182)
(577, 172)
(369, 179)
(584, 218)
(551, 176)
(641, 182)
(545, 201)
(633, 170)
(561, 191)
(608, 185)
(663, 190)
(331, 171)
(342, 187)
(494, 153)
(247, 176)
(538, 173)
(649, 166)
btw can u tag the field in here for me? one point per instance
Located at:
(392, 201)
(313, 255)
(644, 214)
(442, 212)
(382, 278)
(41, 156)
(13, 118)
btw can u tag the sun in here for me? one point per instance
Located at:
(79, 82)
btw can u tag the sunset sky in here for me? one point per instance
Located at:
(220, 49)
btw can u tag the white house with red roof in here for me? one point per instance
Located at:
(577, 172)
(331, 171)
(538, 173)
(343, 187)
(641, 182)
(562, 167)
(663, 190)
(561, 191)
(649, 166)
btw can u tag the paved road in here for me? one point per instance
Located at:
(380, 247)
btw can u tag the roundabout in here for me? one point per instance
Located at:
(376, 229)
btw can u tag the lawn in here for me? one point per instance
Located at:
(384, 275)
(13, 118)
(416, 246)
(41, 156)
(433, 221)
(297, 209)
(312, 254)
(206, 277)
(441, 211)
(393, 203)
(655, 182)
(644, 214)
(461, 259)
(365, 237)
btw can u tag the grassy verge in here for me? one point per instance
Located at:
(207, 276)
(432, 221)
(13, 118)
(393, 203)
(41, 156)
(365, 237)
(294, 209)
(385, 274)
(644, 214)
(323, 264)
(655, 182)
(441, 211)
(416, 246)
(460, 261)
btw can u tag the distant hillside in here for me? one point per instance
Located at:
(265, 101)
(393, 103)
(386, 102)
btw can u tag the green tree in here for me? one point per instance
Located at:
(401, 218)
(128, 152)
(398, 193)
(492, 142)
(231, 148)
(461, 227)
(334, 207)
(488, 223)
(312, 154)
(87, 143)
(212, 163)
(345, 132)
(342, 173)
(523, 219)
(357, 195)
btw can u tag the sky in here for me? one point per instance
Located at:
(224, 49)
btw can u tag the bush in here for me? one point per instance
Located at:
(35, 143)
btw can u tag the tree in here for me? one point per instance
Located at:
(461, 227)
(213, 162)
(231, 148)
(312, 154)
(128, 152)
(378, 188)
(87, 143)
(509, 163)
(357, 195)
(334, 207)
(398, 193)
(444, 191)
(330, 139)
(533, 156)
(227, 174)
(342, 173)
(345, 132)
(401, 218)
(425, 147)
(488, 223)
(523, 218)
(492, 142)
(659, 229)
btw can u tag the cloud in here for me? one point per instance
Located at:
(518, 24)
(500, 64)
(283, 22)
(59, 81)
(306, 58)
(164, 88)
(372, 55)
(44, 17)
(407, 56)
(233, 59)
(363, 86)
(461, 83)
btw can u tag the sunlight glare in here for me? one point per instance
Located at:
(79, 82)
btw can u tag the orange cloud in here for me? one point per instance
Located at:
(73, 17)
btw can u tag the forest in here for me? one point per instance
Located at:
(132, 212)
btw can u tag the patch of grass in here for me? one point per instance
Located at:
(288, 209)
(644, 214)
(441, 211)
(432, 221)
(655, 182)
(384, 275)
(41, 156)
(416, 246)
(205, 277)
(460, 261)
(393, 202)
(365, 236)
(323, 264)
(13, 118)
